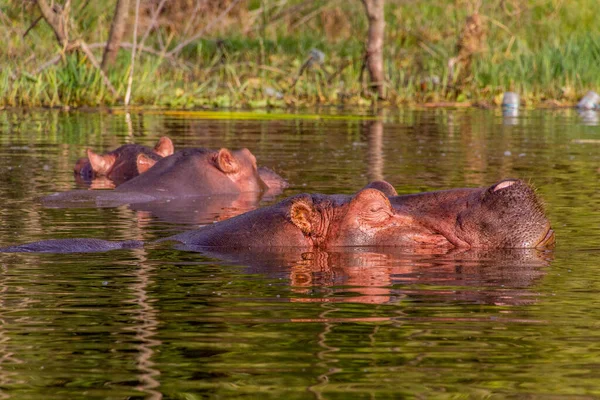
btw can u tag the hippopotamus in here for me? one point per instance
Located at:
(187, 173)
(507, 214)
(123, 163)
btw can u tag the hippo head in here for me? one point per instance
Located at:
(239, 166)
(367, 219)
(200, 172)
(124, 162)
(505, 215)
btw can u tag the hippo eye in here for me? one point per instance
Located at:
(377, 213)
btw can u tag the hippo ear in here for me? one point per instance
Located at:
(144, 163)
(371, 205)
(384, 187)
(101, 164)
(503, 185)
(226, 162)
(302, 215)
(164, 147)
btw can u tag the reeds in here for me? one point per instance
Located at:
(544, 51)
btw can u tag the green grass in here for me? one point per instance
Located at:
(544, 49)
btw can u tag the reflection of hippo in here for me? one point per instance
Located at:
(505, 215)
(122, 164)
(381, 275)
(185, 174)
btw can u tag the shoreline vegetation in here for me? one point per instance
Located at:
(248, 54)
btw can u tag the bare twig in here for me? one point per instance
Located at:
(125, 45)
(155, 15)
(144, 49)
(284, 12)
(59, 21)
(88, 52)
(117, 28)
(49, 63)
(130, 80)
(181, 45)
(301, 71)
(311, 15)
(339, 71)
(38, 19)
(56, 20)
(374, 46)
(191, 19)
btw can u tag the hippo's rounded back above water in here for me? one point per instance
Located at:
(123, 163)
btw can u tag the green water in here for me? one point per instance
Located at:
(389, 323)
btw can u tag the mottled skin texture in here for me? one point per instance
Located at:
(504, 215)
(123, 163)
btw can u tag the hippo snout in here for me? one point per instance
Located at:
(548, 241)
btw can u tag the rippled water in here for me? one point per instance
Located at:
(363, 323)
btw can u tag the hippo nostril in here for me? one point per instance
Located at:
(548, 241)
(503, 185)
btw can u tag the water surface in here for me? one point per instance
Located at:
(360, 323)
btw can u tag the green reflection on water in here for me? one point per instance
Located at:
(157, 322)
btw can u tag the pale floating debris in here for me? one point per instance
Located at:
(590, 101)
(510, 100)
(269, 91)
(507, 153)
(585, 141)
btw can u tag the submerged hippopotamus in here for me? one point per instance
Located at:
(123, 163)
(187, 173)
(505, 215)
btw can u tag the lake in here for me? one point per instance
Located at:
(158, 323)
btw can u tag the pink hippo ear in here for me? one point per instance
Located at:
(371, 205)
(226, 162)
(101, 164)
(384, 187)
(144, 163)
(504, 184)
(302, 214)
(164, 147)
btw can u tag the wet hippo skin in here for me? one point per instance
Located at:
(505, 215)
(187, 173)
(121, 164)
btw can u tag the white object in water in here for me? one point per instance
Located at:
(590, 101)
